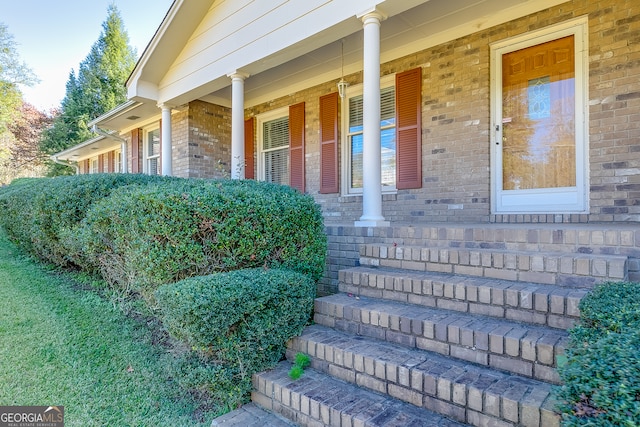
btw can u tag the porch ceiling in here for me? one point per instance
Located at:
(430, 23)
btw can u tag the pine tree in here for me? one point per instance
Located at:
(98, 87)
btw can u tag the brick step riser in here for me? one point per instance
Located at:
(463, 393)
(536, 304)
(511, 348)
(523, 237)
(577, 270)
(312, 402)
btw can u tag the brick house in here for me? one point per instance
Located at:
(498, 139)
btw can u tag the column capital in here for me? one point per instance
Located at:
(237, 74)
(371, 15)
(164, 106)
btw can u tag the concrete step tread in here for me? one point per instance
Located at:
(456, 388)
(552, 305)
(317, 399)
(528, 350)
(251, 415)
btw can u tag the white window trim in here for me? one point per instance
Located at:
(145, 147)
(117, 161)
(579, 28)
(345, 178)
(260, 120)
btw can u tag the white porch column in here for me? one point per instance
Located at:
(371, 161)
(123, 158)
(165, 132)
(237, 124)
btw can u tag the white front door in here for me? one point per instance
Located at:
(539, 142)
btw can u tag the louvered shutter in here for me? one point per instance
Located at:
(249, 137)
(135, 151)
(409, 129)
(110, 161)
(100, 163)
(296, 146)
(86, 166)
(329, 143)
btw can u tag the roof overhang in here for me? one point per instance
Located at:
(88, 149)
(126, 116)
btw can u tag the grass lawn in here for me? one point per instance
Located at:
(62, 345)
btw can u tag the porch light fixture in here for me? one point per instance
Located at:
(342, 85)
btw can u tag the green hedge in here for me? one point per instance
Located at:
(601, 375)
(142, 237)
(41, 215)
(239, 322)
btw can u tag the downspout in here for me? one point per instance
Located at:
(69, 164)
(123, 145)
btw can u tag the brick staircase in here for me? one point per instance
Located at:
(445, 325)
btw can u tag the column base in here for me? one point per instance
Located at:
(372, 223)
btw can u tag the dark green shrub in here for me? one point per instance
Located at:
(601, 374)
(240, 320)
(142, 237)
(42, 214)
(610, 307)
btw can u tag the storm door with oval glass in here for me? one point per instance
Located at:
(539, 139)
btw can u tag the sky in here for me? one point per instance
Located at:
(53, 36)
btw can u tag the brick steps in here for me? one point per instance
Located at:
(561, 268)
(550, 305)
(317, 399)
(460, 390)
(463, 321)
(525, 350)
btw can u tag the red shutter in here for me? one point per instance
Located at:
(110, 157)
(249, 163)
(329, 143)
(135, 151)
(101, 163)
(86, 166)
(296, 146)
(409, 129)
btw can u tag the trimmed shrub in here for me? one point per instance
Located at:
(142, 237)
(239, 321)
(42, 214)
(601, 374)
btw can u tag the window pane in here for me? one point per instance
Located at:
(356, 160)
(276, 133)
(388, 142)
(276, 166)
(387, 106)
(153, 166)
(355, 113)
(153, 142)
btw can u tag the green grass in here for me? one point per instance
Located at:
(63, 345)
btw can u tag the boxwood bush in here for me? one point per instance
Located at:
(144, 236)
(41, 214)
(238, 322)
(601, 374)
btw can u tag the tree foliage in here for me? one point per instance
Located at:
(20, 155)
(15, 116)
(98, 86)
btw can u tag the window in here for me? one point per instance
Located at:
(117, 161)
(152, 152)
(93, 165)
(273, 136)
(353, 129)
